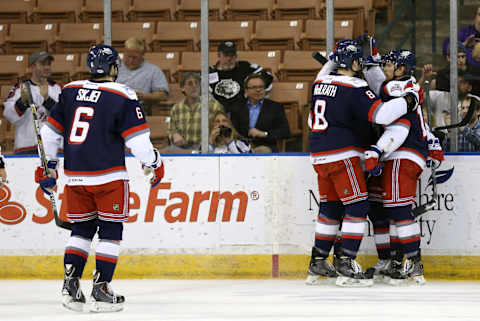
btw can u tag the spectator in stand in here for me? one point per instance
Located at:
(469, 135)
(441, 80)
(259, 118)
(185, 116)
(470, 37)
(227, 76)
(224, 139)
(146, 79)
(45, 94)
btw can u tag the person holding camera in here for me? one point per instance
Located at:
(224, 139)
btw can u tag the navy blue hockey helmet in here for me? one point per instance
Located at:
(346, 52)
(402, 58)
(100, 58)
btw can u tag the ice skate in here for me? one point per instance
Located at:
(319, 267)
(103, 298)
(413, 270)
(380, 271)
(72, 295)
(396, 273)
(350, 273)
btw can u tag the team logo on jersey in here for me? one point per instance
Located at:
(227, 88)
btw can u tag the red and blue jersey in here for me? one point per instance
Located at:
(340, 116)
(415, 145)
(95, 119)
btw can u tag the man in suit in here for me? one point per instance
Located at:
(258, 118)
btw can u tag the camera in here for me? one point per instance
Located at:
(225, 131)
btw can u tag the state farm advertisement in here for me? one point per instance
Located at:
(233, 205)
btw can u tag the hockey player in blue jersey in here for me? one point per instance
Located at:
(403, 149)
(342, 106)
(97, 118)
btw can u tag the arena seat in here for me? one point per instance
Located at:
(276, 35)
(63, 66)
(295, 97)
(167, 61)
(189, 10)
(298, 66)
(158, 130)
(176, 36)
(121, 31)
(239, 32)
(12, 68)
(81, 72)
(269, 60)
(360, 11)
(152, 10)
(48, 11)
(28, 38)
(77, 37)
(249, 10)
(16, 11)
(92, 11)
(3, 37)
(314, 37)
(298, 9)
(163, 108)
(191, 61)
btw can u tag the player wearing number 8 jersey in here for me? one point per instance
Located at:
(342, 106)
(97, 118)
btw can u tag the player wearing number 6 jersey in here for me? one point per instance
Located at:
(342, 107)
(97, 118)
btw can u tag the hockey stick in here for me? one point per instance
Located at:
(43, 158)
(319, 57)
(419, 210)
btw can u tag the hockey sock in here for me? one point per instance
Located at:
(76, 253)
(106, 259)
(353, 227)
(407, 228)
(381, 230)
(326, 228)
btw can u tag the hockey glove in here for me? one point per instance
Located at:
(412, 98)
(47, 179)
(372, 163)
(435, 153)
(156, 169)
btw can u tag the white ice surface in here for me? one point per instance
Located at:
(277, 300)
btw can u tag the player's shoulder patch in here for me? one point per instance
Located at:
(342, 80)
(396, 88)
(120, 89)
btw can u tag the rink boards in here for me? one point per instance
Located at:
(231, 217)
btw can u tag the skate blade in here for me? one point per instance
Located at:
(345, 281)
(69, 304)
(412, 281)
(319, 280)
(103, 307)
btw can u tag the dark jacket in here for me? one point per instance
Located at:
(271, 119)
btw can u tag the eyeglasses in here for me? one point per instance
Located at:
(256, 87)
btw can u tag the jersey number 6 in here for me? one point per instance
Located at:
(79, 130)
(320, 124)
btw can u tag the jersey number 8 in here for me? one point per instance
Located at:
(320, 123)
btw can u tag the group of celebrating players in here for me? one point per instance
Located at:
(369, 145)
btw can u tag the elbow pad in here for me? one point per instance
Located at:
(412, 99)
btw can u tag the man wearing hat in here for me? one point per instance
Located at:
(226, 77)
(45, 94)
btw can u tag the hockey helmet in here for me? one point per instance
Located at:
(402, 58)
(100, 58)
(346, 52)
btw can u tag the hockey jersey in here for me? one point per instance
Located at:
(25, 138)
(342, 108)
(227, 85)
(415, 145)
(95, 119)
